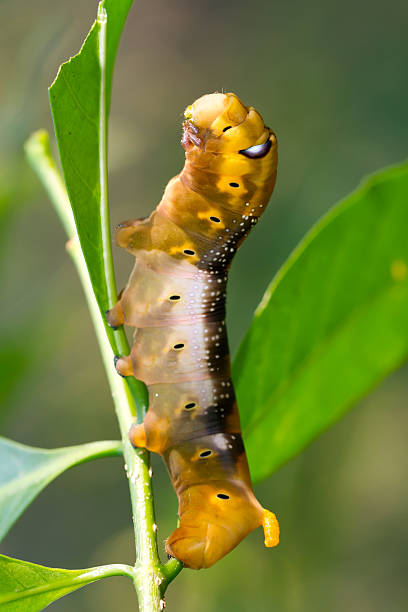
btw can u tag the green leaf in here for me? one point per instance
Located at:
(25, 471)
(80, 97)
(26, 587)
(332, 324)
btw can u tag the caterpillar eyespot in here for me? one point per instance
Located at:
(257, 151)
(185, 430)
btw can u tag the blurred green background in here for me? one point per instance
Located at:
(331, 80)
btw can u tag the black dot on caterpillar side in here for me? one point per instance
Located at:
(174, 298)
(215, 219)
(222, 496)
(179, 346)
(234, 184)
(227, 128)
(188, 252)
(189, 406)
(205, 453)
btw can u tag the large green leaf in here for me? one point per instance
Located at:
(332, 324)
(79, 100)
(25, 471)
(26, 587)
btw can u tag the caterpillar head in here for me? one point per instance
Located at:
(220, 123)
(214, 518)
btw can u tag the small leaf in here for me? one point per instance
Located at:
(27, 587)
(332, 324)
(79, 99)
(25, 471)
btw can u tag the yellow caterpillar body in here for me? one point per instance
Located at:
(175, 299)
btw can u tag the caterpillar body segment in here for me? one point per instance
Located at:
(175, 300)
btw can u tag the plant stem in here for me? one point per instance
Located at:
(150, 576)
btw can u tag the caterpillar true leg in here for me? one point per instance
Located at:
(133, 233)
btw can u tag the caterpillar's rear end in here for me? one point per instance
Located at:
(175, 299)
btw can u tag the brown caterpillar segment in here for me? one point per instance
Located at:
(175, 298)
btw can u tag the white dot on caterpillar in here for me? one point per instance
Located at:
(158, 581)
(162, 604)
(150, 471)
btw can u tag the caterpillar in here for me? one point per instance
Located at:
(175, 298)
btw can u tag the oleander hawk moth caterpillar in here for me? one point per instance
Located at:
(175, 298)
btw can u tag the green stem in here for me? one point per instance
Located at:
(121, 343)
(151, 577)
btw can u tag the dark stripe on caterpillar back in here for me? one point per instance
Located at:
(175, 298)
